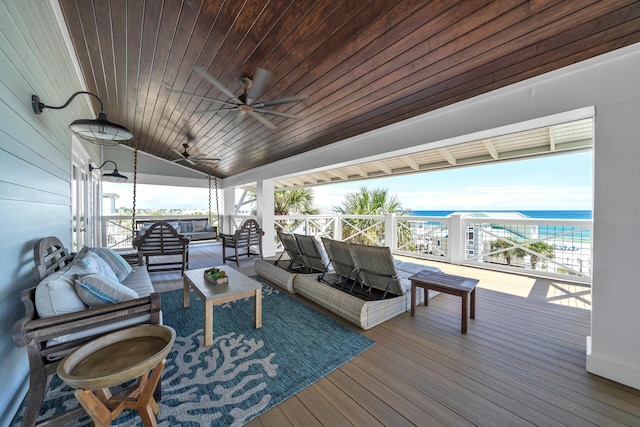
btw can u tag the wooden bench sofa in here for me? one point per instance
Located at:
(195, 228)
(48, 339)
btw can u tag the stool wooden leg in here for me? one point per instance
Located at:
(96, 409)
(146, 404)
(413, 299)
(473, 303)
(465, 296)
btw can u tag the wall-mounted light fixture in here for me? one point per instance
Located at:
(99, 130)
(114, 176)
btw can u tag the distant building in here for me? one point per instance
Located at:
(109, 203)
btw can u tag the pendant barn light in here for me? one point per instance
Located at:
(99, 130)
(114, 176)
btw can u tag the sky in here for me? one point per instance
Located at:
(561, 182)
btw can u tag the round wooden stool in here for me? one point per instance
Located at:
(114, 359)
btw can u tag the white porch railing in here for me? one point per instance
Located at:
(117, 230)
(543, 247)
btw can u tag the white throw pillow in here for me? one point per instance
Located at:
(199, 225)
(93, 264)
(97, 289)
(55, 294)
(118, 265)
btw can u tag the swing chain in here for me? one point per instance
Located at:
(215, 180)
(209, 176)
(135, 178)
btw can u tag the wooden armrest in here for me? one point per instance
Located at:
(31, 329)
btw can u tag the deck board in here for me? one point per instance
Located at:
(522, 362)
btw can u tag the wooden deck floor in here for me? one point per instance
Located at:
(522, 362)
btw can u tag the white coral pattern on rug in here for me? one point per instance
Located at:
(230, 357)
(190, 365)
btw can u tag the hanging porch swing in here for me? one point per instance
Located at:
(210, 220)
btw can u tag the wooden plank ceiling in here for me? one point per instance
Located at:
(363, 64)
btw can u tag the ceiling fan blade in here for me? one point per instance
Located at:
(191, 161)
(217, 84)
(219, 110)
(281, 101)
(262, 120)
(205, 159)
(277, 113)
(178, 153)
(260, 79)
(206, 98)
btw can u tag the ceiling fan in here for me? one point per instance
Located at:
(184, 155)
(245, 105)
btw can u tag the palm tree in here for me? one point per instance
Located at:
(509, 250)
(540, 248)
(298, 201)
(367, 201)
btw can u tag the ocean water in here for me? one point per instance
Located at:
(560, 214)
(543, 230)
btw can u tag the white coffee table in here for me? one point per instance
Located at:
(238, 287)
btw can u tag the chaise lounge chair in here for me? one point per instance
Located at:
(315, 259)
(291, 248)
(340, 258)
(376, 268)
(364, 311)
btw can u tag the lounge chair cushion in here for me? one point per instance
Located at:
(96, 290)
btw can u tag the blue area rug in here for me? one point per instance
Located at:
(246, 371)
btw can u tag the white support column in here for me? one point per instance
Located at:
(228, 208)
(456, 240)
(266, 216)
(337, 234)
(390, 235)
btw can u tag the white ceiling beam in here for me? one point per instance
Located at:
(384, 168)
(286, 183)
(297, 181)
(447, 156)
(339, 174)
(410, 162)
(488, 144)
(321, 177)
(359, 171)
